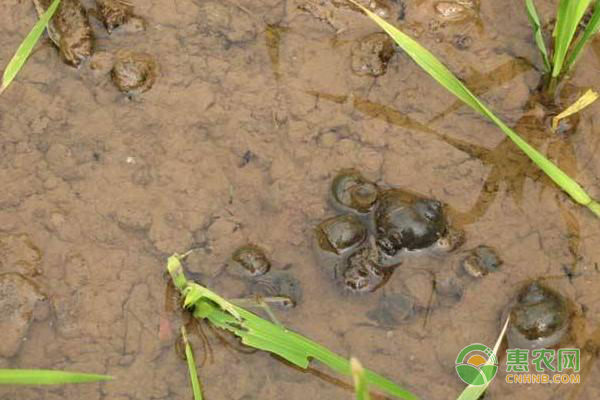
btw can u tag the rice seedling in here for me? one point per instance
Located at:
(474, 392)
(189, 356)
(24, 50)
(443, 76)
(46, 377)
(567, 43)
(263, 335)
(358, 376)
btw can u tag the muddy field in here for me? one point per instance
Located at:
(255, 108)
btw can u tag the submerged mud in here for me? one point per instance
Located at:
(257, 108)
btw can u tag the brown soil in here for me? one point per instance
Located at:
(255, 109)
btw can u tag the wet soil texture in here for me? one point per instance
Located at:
(255, 108)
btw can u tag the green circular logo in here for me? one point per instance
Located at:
(476, 364)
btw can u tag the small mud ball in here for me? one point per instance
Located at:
(452, 240)
(371, 54)
(252, 260)
(114, 13)
(480, 261)
(462, 41)
(539, 318)
(351, 191)
(364, 272)
(340, 234)
(134, 73)
(405, 222)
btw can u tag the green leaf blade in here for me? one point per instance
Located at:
(46, 377)
(441, 74)
(191, 362)
(267, 336)
(534, 20)
(24, 50)
(360, 384)
(568, 17)
(591, 29)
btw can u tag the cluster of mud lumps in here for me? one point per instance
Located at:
(361, 247)
(71, 32)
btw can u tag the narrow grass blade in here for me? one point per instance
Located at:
(264, 335)
(46, 377)
(442, 75)
(189, 356)
(358, 376)
(591, 29)
(534, 20)
(475, 392)
(568, 17)
(585, 100)
(261, 334)
(18, 60)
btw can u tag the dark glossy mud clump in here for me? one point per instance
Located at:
(371, 54)
(70, 30)
(252, 260)
(353, 192)
(539, 318)
(363, 248)
(408, 223)
(134, 73)
(340, 234)
(19, 297)
(117, 13)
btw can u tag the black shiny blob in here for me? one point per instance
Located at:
(539, 318)
(405, 222)
(351, 191)
(340, 234)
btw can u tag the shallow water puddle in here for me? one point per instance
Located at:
(255, 108)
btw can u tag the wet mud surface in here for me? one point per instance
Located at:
(254, 109)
